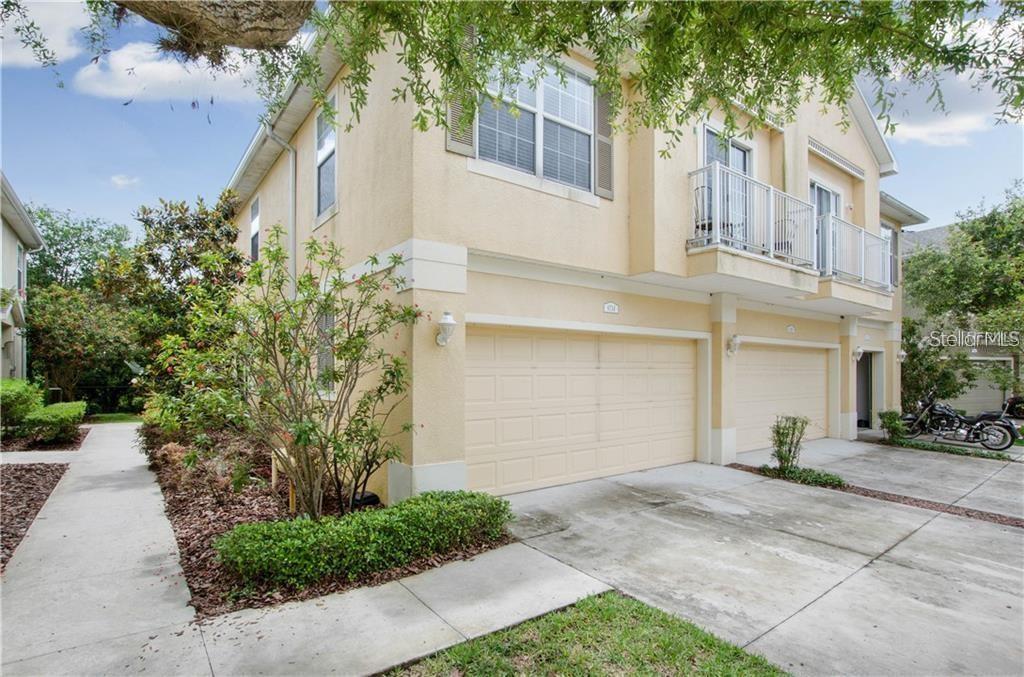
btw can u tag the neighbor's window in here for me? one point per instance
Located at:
(326, 139)
(254, 229)
(560, 147)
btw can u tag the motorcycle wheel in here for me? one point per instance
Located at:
(995, 437)
(914, 431)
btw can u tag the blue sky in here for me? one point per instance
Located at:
(81, 148)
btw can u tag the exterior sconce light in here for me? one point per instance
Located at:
(858, 353)
(902, 356)
(732, 345)
(446, 327)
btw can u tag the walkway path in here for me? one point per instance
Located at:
(95, 588)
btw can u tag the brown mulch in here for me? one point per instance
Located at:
(33, 444)
(25, 487)
(199, 514)
(985, 516)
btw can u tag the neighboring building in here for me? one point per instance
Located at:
(984, 394)
(616, 309)
(20, 238)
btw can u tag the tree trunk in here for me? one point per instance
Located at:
(208, 27)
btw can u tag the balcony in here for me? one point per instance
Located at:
(748, 238)
(854, 254)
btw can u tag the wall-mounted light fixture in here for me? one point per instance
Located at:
(446, 327)
(902, 356)
(732, 345)
(858, 353)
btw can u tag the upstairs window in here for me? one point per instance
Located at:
(889, 235)
(254, 229)
(326, 140)
(560, 147)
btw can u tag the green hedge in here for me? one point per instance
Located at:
(811, 476)
(18, 398)
(55, 423)
(300, 552)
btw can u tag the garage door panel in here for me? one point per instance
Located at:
(546, 408)
(772, 381)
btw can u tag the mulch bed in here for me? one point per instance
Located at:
(995, 517)
(198, 515)
(25, 487)
(32, 444)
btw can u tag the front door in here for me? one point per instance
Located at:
(864, 388)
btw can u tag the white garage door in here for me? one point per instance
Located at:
(984, 396)
(546, 407)
(774, 381)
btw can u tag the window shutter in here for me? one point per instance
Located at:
(604, 183)
(461, 139)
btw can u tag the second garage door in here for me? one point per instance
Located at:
(773, 381)
(546, 407)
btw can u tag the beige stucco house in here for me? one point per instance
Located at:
(20, 238)
(616, 309)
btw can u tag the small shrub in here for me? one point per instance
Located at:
(54, 423)
(300, 552)
(892, 425)
(18, 398)
(817, 478)
(787, 437)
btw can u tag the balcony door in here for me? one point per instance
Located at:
(825, 201)
(736, 204)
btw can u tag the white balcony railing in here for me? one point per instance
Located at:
(732, 209)
(852, 252)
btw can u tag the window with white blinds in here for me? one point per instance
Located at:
(560, 148)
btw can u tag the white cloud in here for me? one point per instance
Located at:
(59, 22)
(138, 71)
(123, 181)
(950, 130)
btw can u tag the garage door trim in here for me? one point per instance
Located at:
(488, 319)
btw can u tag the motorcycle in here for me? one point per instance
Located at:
(991, 429)
(1014, 406)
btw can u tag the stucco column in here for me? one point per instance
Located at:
(847, 379)
(893, 367)
(435, 456)
(722, 447)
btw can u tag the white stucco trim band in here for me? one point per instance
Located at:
(408, 480)
(427, 264)
(572, 325)
(796, 343)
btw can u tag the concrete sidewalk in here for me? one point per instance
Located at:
(95, 588)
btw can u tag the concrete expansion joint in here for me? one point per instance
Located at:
(439, 616)
(206, 649)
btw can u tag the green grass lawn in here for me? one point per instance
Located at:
(602, 635)
(118, 417)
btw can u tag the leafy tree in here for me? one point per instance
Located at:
(950, 373)
(74, 248)
(72, 332)
(975, 281)
(319, 380)
(682, 58)
(154, 279)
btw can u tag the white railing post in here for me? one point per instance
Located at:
(830, 244)
(716, 198)
(863, 257)
(815, 254)
(771, 222)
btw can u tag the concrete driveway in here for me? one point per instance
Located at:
(818, 581)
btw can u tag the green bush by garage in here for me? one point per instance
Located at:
(297, 553)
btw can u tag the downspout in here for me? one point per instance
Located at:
(292, 236)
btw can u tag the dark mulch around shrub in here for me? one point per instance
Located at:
(199, 514)
(33, 444)
(995, 517)
(25, 487)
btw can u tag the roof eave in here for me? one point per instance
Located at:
(868, 124)
(16, 214)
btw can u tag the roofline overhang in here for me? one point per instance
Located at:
(15, 213)
(868, 123)
(899, 211)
